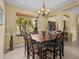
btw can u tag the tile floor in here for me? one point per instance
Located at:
(71, 52)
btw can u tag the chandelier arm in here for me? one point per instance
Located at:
(43, 11)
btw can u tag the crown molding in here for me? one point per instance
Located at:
(71, 5)
(66, 6)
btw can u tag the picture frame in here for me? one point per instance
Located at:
(1, 16)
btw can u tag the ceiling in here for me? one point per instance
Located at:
(74, 9)
(36, 4)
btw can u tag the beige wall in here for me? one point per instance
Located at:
(2, 30)
(42, 24)
(11, 23)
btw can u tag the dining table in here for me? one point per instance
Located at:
(44, 41)
(47, 40)
(42, 38)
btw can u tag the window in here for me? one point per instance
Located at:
(51, 25)
(1, 16)
(23, 22)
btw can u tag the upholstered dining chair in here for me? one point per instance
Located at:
(25, 42)
(32, 49)
(54, 47)
(62, 38)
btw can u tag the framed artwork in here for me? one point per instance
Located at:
(1, 16)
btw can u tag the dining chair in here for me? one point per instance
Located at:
(25, 43)
(32, 49)
(61, 33)
(62, 38)
(54, 47)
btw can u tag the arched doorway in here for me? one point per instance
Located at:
(66, 27)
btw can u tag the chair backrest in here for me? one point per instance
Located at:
(35, 31)
(58, 39)
(58, 36)
(28, 39)
(24, 36)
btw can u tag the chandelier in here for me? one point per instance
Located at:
(43, 11)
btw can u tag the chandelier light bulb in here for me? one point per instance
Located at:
(39, 11)
(46, 13)
(42, 9)
(48, 10)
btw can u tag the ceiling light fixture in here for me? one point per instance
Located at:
(44, 11)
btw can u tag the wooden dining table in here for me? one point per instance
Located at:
(46, 38)
(42, 38)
